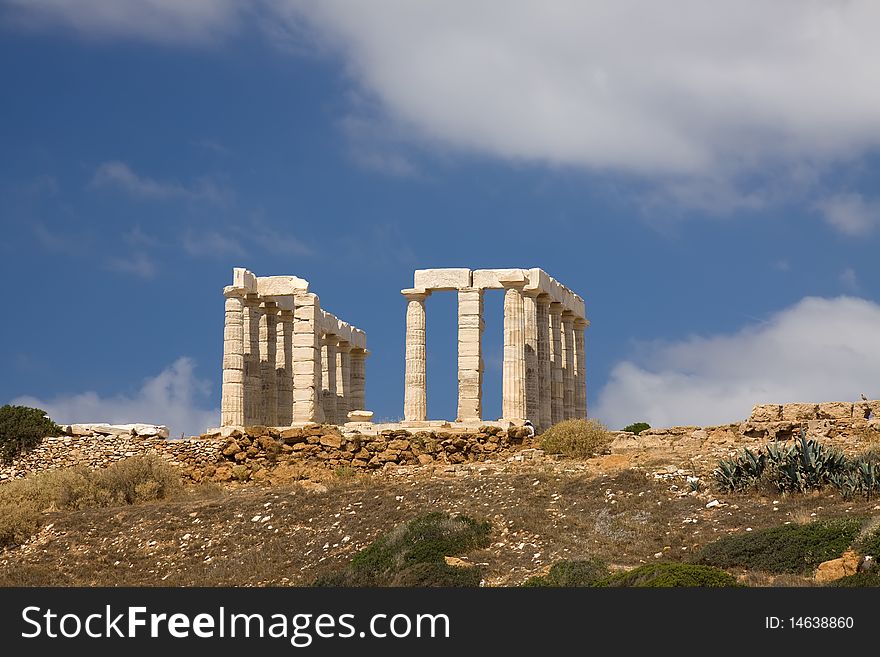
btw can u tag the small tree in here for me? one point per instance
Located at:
(22, 428)
(637, 427)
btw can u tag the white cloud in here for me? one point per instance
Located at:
(119, 175)
(211, 244)
(849, 279)
(137, 263)
(817, 350)
(677, 87)
(850, 214)
(175, 397)
(163, 21)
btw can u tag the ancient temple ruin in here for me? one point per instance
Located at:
(544, 368)
(285, 360)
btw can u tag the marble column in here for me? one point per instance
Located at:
(470, 360)
(268, 379)
(358, 380)
(568, 364)
(415, 401)
(513, 395)
(343, 381)
(328, 377)
(545, 418)
(308, 403)
(284, 368)
(251, 351)
(232, 392)
(580, 368)
(557, 388)
(530, 327)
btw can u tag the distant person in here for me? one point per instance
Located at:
(530, 428)
(864, 398)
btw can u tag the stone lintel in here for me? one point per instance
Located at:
(450, 278)
(271, 286)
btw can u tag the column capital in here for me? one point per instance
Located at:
(568, 316)
(343, 345)
(543, 298)
(330, 339)
(556, 308)
(415, 294)
(581, 323)
(515, 285)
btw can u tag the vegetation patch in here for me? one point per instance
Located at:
(130, 481)
(21, 429)
(413, 554)
(571, 573)
(637, 427)
(665, 574)
(576, 437)
(796, 549)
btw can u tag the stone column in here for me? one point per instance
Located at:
(545, 417)
(232, 393)
(358, 380)
(513, 395)
(284, 368)
(580, 368)
(343, 381)
(252, 385)
(568, 364)
(328, 377)
(268, 379)
(530, 327)
(557, 388)
(415, 400)
(470, 360)
(307, 399)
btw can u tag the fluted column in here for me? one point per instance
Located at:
(580, 368)
(307, 397)
(251, 348)
(530, 327)
(343, 381)
(545, 418)
(358, 380)
(284, 368)
(470, 360)
(557, 387)
(232, 392)
(415, 401)
(328, 377)
(568, 364)
(513, 396)
(268, 379)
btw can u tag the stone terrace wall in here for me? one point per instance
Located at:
(261, 453)
(847, 426)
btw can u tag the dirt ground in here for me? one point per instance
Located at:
(624, 509)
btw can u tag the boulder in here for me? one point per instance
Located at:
(766, 413)
(846, 564)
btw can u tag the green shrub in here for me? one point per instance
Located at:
(413, 554)
(666, 574)
(637, 427)
(576, 437)
(21, 429)
(868, 541)
(797, 549)
(742, 472)
(571, 573)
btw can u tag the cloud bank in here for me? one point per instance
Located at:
(175, 397)
(817, 350)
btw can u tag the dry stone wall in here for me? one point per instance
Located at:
(260, 453)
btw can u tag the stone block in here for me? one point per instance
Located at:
(303, 367)
(469, 306)
(442, 279)
(835, 411)
(304, 339)
(796, 412)
(277, 286)
(496, 278)
(766, 413)
(469, 348)
(243, 279)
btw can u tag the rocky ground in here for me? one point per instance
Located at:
(627, 509)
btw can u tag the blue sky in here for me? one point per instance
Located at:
(705, 175)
